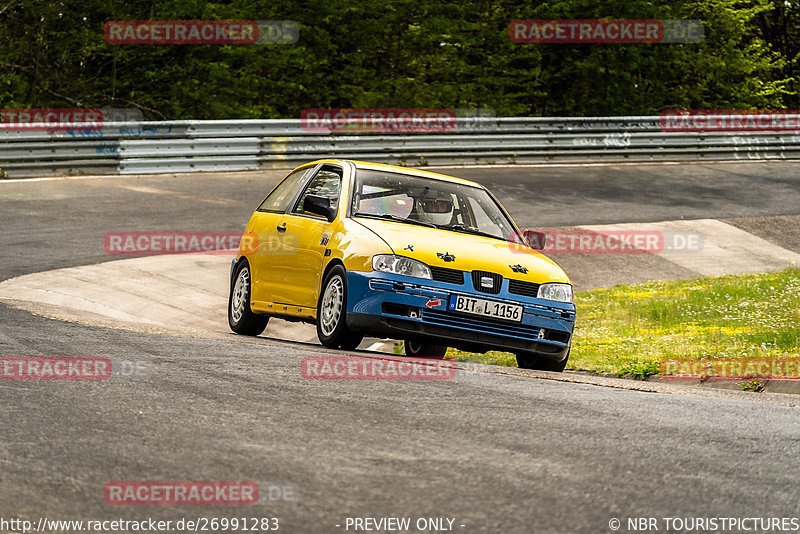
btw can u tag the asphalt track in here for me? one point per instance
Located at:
(493, 451)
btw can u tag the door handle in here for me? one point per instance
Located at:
(281, 227)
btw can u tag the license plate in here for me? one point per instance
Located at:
(486, 308)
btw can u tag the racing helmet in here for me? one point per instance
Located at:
(436, 209)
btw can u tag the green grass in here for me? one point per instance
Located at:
(629, 330)
(752, 385)
(493, 357)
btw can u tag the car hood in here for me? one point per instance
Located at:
(470, 252)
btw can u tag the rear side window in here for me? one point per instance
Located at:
(278, 200)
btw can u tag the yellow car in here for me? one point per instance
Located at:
(363, 249)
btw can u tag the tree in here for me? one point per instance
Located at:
(402, 53)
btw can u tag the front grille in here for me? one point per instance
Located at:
(527, 289)
(497, 281)
(450, 276)
(491, 326)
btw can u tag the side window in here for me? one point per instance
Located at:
(278, 200)
(326, 184)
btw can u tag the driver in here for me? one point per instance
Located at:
(437, 209)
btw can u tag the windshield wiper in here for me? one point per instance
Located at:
(467, 230)
(394, 218)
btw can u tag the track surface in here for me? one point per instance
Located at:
(494, 452)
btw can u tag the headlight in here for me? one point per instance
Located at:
(389, 263)
(559, 292)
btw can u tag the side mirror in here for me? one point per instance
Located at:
(536, 240)
(319, 206)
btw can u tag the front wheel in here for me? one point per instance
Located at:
(526, 360)
(332, 329)
(431, 350)
(241, 318)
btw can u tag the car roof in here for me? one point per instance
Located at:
(402, 170)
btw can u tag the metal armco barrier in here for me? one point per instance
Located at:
(187, 146)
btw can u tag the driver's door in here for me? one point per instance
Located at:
(297, 264)
(263, 233)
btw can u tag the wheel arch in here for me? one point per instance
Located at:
(235, 267)
(330, 265)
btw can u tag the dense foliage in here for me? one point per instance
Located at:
(398, 53)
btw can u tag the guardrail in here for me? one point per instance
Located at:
(186, 146)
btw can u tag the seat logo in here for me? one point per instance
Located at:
(487, 282)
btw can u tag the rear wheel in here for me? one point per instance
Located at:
(241, 318)
(415, 348)
(332, 329)
(527, 360)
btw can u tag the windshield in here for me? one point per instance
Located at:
(428, 202)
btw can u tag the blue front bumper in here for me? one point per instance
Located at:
(405, 307)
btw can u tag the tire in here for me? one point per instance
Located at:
(431, 350)
(332, 329)
(526, 360)
(241, 318)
